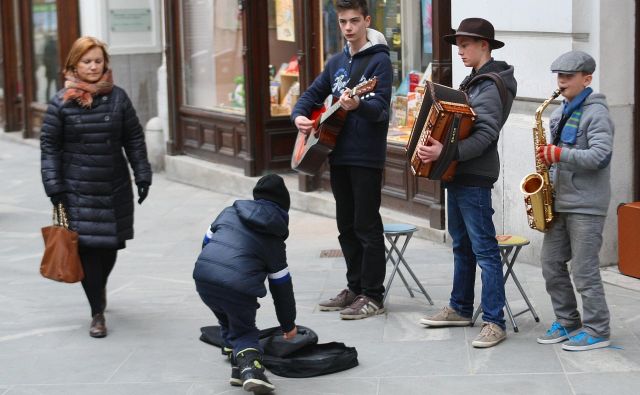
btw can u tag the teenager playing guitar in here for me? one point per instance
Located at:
(357, 161)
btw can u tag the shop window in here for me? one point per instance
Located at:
(407, 27)
(212, 64)
(2, 107)
(284, 85)
(46, 66)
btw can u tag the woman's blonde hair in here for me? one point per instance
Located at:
(80, 47)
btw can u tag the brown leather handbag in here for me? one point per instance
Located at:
(61, 261)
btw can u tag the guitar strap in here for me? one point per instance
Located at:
(362, 65)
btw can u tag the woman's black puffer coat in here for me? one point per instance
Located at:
(83, 158)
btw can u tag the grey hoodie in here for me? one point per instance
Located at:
(581, 177)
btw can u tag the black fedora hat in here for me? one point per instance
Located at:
(475, 27)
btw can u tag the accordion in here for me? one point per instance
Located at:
(444, 115)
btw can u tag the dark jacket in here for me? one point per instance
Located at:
(83, 157)
(479, 163)
(243, 247)
(363, 139)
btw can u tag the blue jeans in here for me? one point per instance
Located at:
(474, 242)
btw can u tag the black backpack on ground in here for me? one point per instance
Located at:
(297, 358)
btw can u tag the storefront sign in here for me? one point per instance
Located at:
(130, 20)
(132, 26)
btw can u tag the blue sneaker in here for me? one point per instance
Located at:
(584, 341)
(556, 334)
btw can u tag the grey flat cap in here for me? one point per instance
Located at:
(573, 62)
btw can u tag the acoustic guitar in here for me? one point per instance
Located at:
(311, 150)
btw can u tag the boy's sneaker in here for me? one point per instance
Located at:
(556, 334)
(252, 372)
(362, 307)
(446, 317)
(227, 352)
(584, 341)
(235, 379)
(490, 335)
(339, 302)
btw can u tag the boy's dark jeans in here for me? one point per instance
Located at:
(474, 242)
(236, 314)
(357, 194)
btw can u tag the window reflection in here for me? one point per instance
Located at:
(284, 86)
(407, 27)
(2, 107)
(45, 46)
(213, 72)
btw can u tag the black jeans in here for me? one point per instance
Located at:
(357, 193)
(97, 264)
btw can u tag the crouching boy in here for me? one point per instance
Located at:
(245, 245)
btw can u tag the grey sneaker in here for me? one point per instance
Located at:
(556, 334)
(490, 335)
(584, 341)
(339, 302)
(446, 317)
(362, 307)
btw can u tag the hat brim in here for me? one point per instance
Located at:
(451, 39)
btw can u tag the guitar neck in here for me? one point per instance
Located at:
(334, 108)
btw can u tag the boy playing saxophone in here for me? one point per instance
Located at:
(579, 158)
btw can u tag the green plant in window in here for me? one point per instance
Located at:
(237, 96)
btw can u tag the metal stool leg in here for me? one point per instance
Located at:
(400, 254)
(396, 266)
(510, 314)
(525, 297)
(393, 272)
(475, 315)
(510, 272)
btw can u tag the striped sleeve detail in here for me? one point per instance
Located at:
(207, 237)
(280, 277)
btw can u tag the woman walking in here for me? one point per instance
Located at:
(89, 132)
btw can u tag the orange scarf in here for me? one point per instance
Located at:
(83, 92)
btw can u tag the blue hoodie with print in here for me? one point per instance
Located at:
(363, 139)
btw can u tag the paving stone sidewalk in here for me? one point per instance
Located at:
(154, 314)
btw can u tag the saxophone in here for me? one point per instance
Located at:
(536, 187)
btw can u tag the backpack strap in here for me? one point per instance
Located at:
(499, 82)
(495, 77)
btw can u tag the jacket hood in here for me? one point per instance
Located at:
(596, 98)
(376, 42)
(263, 217)
(505, 71)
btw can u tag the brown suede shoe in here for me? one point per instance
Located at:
(98, 328)
(338, 302)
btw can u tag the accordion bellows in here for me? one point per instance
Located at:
(446, 116)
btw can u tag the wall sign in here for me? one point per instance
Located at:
(133, 26)
(130, 20)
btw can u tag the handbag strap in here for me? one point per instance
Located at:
(60, 216)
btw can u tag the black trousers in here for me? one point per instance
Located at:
(357, 191)
(97, 264)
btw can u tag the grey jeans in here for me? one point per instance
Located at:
(576, 237)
